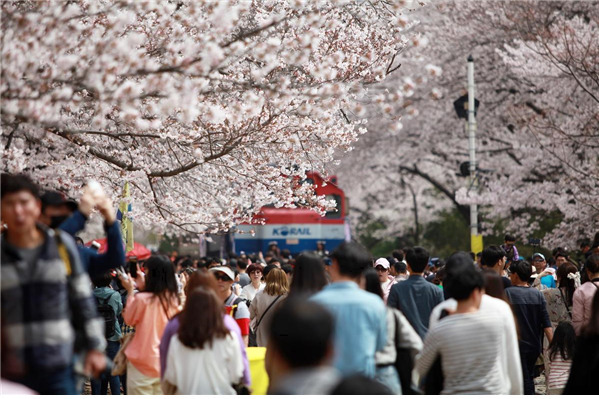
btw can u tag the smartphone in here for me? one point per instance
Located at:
(132, 265)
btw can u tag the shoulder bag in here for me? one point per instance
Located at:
(252, 339)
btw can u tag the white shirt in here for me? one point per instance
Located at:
(208, 371)
(249, 292)
(509, 353)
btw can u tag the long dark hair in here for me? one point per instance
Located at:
(564, 282)
(201, 321)
(309, 275)
(564, 339)
(161, 280)
(372, 283)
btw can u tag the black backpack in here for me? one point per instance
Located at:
(107, 313)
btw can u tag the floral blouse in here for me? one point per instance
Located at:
(556, 307)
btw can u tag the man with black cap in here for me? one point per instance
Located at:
(56, 208)
(234, 306)
(60, 212)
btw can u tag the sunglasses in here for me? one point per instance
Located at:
(222, 277)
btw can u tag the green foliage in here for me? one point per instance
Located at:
(446, 234)
(449, 232)
(168, 244)
(383, 248)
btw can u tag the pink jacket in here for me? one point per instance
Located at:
(145, 312)
(581, 305)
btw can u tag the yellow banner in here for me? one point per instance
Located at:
(126, 221)
(476, 243)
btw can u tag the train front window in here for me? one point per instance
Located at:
(334, 214)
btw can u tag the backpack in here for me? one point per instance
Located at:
(238, 300)
(232, 310)
(107, 313)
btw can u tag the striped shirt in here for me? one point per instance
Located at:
(469, 345)
(509, 353)
(559, 371)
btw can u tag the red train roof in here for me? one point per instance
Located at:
(272, 215)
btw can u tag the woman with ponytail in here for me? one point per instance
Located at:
(559, 300)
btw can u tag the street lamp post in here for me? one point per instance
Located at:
(466, 107)
(472, 152)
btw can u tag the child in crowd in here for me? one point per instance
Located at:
(509, 246)
(559, 355)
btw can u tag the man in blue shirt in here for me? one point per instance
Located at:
(416, 297)
(360, 317)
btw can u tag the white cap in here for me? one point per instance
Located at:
(382, 262)
(224, 269)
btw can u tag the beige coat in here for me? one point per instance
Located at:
(259, 305)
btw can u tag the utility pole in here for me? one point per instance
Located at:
(476, 242)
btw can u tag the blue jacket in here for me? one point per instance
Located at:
(93, 262)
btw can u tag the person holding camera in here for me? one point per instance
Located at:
(58, 212)
(148, 310)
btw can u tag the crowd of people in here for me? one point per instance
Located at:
(332, 323)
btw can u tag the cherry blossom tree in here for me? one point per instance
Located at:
(556, 58)
(536, 76)
(208, 109)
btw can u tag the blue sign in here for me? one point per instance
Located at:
(294, 231)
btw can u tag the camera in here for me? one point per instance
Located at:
(535, 242)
